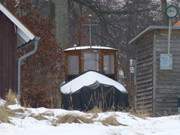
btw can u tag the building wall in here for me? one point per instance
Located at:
(144, 75)
(167, 81)
(7, 55)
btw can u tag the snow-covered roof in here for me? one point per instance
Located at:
(22, 31)
(89, 47)
(87, 79)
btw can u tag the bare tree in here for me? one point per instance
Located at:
(163, 8)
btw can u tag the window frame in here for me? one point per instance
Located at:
(111, 56)
(97, 59)
(78, 65)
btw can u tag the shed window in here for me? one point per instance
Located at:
(91, 61)
(108, 64)
(73, 65)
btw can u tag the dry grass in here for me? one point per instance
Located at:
(95, 110)
(110, 121)
(68, 118)
(38, 117)
(142, 114)
(11, 98)
(48, 113)
(19, 110)
(5, 113)
(42, 116)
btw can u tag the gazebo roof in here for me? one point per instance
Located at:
(89, 47)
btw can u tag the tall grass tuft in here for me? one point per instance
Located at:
(96, 109)
(110, 121)
(11, 98)
(68, 118)
(5, 113)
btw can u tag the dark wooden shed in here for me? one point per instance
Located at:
(157, 75)
(11, 32)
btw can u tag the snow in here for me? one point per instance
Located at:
(130, 124)
(89, 47)
(2, 102)
(87, 79)
(25, 34)
(15, 107)
(65, 129)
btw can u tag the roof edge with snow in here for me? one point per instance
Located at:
(89, 47)
(22, 31)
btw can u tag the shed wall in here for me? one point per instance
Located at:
(144, 74)
(167, 81)
(7, 55)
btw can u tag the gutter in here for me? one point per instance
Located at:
(21, 59)
(24, 44)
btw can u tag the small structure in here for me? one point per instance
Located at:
(84, 58)
(93, 89)
(90, 79)
(157, 76)
(13, 34)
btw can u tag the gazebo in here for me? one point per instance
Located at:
(84, 58)
(91, 79)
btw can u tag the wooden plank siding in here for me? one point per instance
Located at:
(7, 55)
(157, 91)
(168, 81)
(144, 74)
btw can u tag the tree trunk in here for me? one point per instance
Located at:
(62, 22)
(163, 8)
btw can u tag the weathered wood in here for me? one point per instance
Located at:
(168, 82)
(157, 88)
(142, 90)
(144, 75)
(7, 55)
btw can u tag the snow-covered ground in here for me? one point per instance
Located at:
(25, 123)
